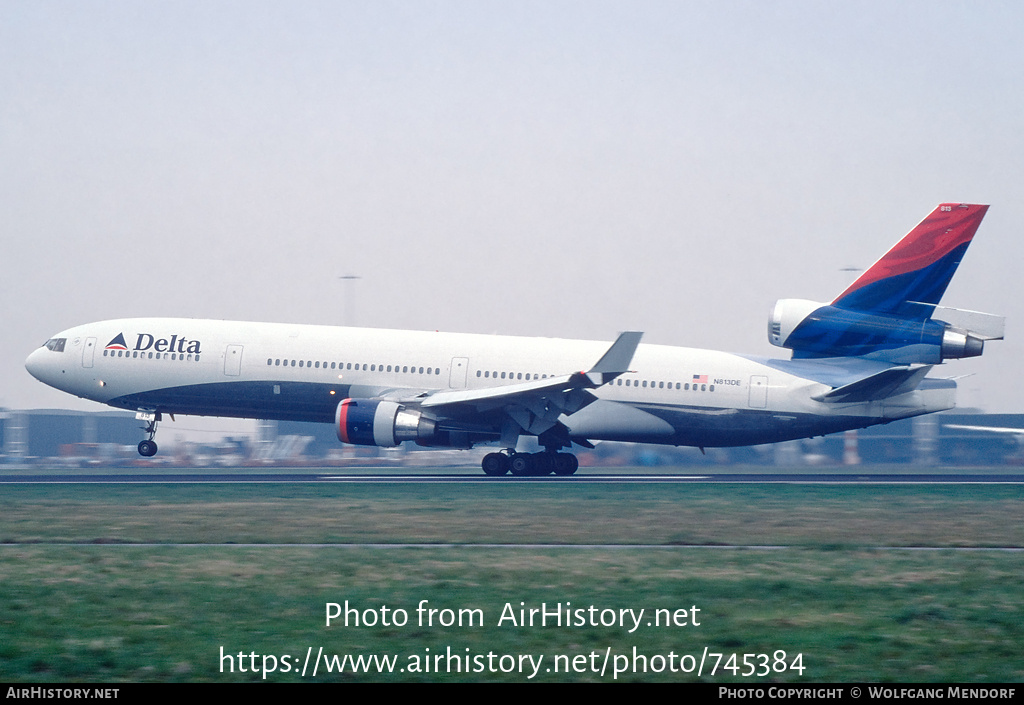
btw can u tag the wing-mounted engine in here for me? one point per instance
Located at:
(375, 422)
(811, 329)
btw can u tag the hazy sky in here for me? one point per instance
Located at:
(567, 169)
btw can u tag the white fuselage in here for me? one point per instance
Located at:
(671, 395)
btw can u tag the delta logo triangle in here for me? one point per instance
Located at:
(117, 343)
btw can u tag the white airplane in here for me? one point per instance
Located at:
(858, 361)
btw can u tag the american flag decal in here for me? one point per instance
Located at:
(700, 379)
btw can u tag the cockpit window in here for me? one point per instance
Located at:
(56, 344)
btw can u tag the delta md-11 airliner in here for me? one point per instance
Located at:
(862, 359)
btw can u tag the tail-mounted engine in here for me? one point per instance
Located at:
(812, 329)
(381, 423)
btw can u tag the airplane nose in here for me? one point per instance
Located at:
(36, 365)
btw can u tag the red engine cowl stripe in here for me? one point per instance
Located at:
(341, 420)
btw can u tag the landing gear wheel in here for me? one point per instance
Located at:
(147, 448)
(566, 464)
(495, 464)
(543, 463)
(521, 464)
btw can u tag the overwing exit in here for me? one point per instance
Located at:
(859, 360)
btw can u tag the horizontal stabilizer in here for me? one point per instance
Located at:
(881, 385)
(985, 326)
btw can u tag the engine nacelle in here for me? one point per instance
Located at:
(812, 329)
(786, 315)
(372, 422)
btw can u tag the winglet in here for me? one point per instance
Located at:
(616, 360)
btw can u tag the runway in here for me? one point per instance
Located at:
(122, 478)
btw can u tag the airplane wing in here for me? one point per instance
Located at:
(537, 404)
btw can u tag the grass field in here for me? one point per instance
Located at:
(80, 600)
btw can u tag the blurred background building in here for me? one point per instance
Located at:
(59, 438)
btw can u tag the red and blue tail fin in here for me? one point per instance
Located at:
(919, 268)
(887, 314)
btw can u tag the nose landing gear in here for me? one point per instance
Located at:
(148, 448)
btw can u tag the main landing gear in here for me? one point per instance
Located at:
(530, 464)
(147, 448)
